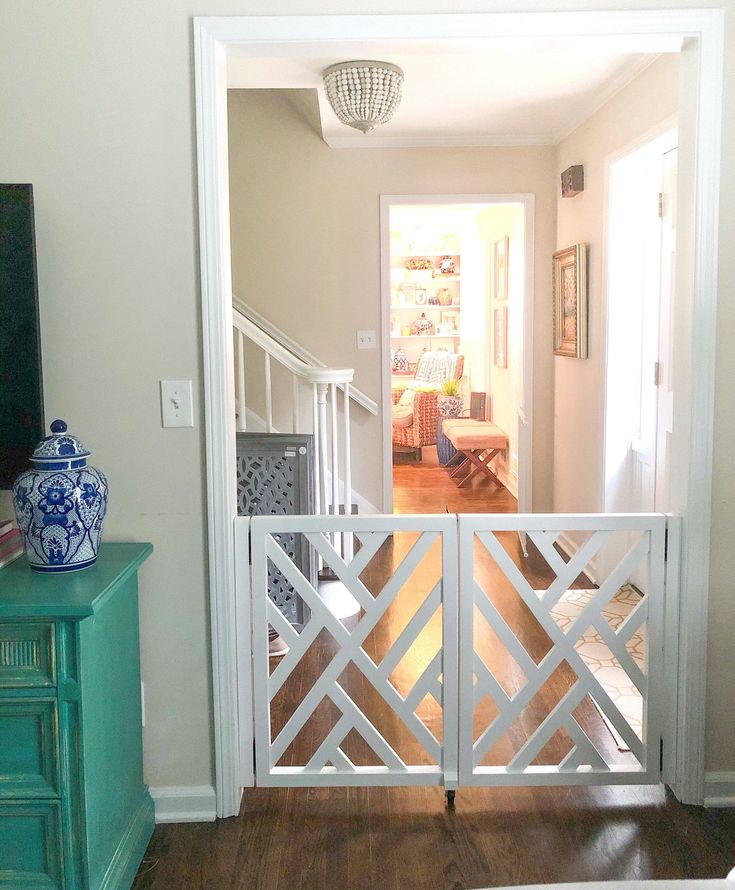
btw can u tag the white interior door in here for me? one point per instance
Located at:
(640, 275)
(665, 393)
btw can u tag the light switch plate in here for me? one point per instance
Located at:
(366, 340)
(177, 407)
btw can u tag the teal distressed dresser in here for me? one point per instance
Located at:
(74, 811)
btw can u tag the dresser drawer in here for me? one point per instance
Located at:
(29, 748)
(30, 853)
(27, 654)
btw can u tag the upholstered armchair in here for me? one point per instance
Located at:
(414, 410)
(414, 423)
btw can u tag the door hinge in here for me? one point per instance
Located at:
(657, 373)
(666, 544)
(661, 755)
(660, 205)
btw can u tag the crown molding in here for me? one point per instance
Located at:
(471, 140)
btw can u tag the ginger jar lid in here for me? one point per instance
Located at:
(60, 450)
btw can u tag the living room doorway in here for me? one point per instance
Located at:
(457, 312)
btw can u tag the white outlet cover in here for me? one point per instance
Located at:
(367, 340)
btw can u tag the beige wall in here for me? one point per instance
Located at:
(306, 243)
(98, 112)
(579, 383)
(505, 386)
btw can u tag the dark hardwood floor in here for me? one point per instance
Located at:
(405, 838)
(426, 487)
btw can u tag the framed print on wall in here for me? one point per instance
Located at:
(500, 269)
(500, 339)
(450, 318)
(570, 301)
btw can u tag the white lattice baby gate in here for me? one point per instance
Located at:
(466, 663)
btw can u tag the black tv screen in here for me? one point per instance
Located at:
(21, 391)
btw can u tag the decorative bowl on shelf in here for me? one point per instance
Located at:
(419, 264)
(447, 266)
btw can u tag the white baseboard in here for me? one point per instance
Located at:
(719, 789)
(181, 803)
(509, 480)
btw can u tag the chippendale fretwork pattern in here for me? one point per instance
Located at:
(585, 762)
(266, 486)
(329, 764)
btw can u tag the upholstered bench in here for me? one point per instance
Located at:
(479, 442)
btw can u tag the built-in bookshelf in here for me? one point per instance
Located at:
(425, 307)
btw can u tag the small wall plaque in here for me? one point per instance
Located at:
(572, 181)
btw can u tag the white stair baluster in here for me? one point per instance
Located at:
(335, 451)
(323, 455)
(295, 406)
(336, 537)
(241, 409)
(268, 395)
(347, 488)
(317, 452)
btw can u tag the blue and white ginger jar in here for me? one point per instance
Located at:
(60, 504)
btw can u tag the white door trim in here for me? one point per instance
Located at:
(529, 204)
(644, 30)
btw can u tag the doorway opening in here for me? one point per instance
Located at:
(456, 329)
(702, 31)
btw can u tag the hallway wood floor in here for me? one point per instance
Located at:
(426, 487)
(404, 839)
(391, 838)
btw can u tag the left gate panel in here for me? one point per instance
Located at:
(366, 694)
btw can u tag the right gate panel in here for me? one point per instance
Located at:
(560, 669)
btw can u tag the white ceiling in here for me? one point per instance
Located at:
(460, 92)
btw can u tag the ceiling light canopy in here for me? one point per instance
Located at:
(363, 94)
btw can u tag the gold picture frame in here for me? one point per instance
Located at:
(570, 301)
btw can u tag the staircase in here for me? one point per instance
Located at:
(328, 393)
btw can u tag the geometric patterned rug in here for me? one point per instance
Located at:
(598, 657)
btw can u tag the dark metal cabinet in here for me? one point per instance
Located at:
(275, 477)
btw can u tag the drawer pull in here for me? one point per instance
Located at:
(27, 654)
(20, 653)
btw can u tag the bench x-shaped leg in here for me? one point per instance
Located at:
(462, 465)
(481, 459)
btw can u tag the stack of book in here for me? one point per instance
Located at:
(11, 541)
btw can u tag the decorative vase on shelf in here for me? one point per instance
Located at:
(444, 296)
(422, 326)
(400, 361)
(60, 504)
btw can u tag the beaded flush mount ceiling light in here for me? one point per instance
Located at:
(363, 94)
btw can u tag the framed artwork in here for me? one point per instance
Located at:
(500, 270)
(420, 296)
(450, 318)
(500, 338)
(570, 301)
